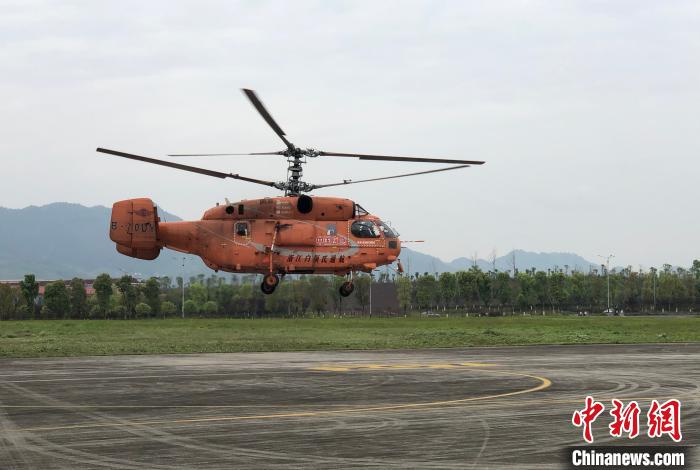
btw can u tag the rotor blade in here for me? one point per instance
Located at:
(221, 154)
(266, 115)
(193, 169)
(316, 186)
(400, 159)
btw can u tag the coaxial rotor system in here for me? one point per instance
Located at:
(296, 157)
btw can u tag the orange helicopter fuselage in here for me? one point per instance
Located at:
(282, 235)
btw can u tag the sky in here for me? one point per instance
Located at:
(586, 113)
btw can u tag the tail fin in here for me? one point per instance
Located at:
(134, 228)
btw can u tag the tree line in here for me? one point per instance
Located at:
(656, 290)
(128, 298)
(472, 290)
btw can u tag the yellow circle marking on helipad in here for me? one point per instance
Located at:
(544, 383)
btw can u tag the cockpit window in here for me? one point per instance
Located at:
(387, 231)
(365, 229)
(359, 211)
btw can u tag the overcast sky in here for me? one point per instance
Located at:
(587, 113)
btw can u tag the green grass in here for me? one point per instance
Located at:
(85, 337)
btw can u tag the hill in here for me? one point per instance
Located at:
(417, 262)
(63, 240)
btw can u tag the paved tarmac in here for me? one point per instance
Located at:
(479, 408)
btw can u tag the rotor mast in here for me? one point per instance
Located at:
(294, 174)
(294, 186)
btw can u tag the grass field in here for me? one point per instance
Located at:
(85, 337)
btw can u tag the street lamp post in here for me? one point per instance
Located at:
(653, 276)
(183, 287)
(182, 305)
(370, 294)
(607, 271)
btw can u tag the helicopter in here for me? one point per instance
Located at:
(274, 236)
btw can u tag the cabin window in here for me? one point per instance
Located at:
(364, 229)
(242, 229)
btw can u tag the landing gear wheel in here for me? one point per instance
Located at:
(346, 288)
(270, 282)
(267, 290)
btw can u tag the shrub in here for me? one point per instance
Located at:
(210, 307)
(118, 311)
(143, 309)
(96, 311)
(191, 307)
(168, 308)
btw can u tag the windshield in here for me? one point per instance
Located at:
(386, 230)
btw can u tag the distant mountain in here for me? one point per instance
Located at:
(417, 262)
(63, 240)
